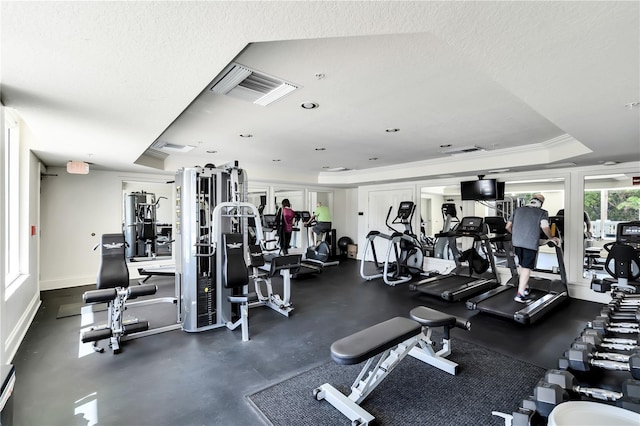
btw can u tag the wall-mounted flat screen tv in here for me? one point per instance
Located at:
(479, 190)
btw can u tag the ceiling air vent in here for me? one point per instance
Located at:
(462, 150)
(170, 147)
(241, 82)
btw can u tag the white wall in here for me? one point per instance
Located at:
(20, 301)
(76, 211)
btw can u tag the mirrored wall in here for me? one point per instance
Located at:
(442, 207)
(609, 199)
(147, 219)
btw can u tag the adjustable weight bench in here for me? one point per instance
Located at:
(393, 340)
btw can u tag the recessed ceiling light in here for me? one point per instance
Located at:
(321, 149)
(309, 105)
(275, 160)
(446, 145)
(246, 135)
(392, 130)
(212, 151)
(373, 158)
(326, 167)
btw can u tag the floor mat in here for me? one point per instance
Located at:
(414, 393)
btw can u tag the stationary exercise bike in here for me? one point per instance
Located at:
(321, 252)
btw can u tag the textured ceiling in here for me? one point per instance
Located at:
(531, 82)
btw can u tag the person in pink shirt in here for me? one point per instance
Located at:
(288, 216)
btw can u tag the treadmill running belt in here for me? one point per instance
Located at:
(450, 282)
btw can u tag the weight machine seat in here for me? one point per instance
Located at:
(622, 261)
(244, 298)
(256, 257)
(113, 271)
(371, 341)
(291, 262)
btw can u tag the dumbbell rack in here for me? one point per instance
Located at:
(601, 365)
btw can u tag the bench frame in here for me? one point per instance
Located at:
(420, 347)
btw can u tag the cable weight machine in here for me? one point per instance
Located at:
(211, 241)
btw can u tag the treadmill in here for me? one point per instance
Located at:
(463, 282)
(546, 294)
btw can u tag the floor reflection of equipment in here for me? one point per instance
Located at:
(404, 258)
(477, 276)
(144, 236)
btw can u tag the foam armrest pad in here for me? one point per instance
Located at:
(97, 296)
(371, 341)
(432, 318)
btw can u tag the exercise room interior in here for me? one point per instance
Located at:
(147, 148)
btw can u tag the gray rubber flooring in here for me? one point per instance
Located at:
(179, 378)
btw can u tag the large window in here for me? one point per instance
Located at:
(12, 200)
(609, 200)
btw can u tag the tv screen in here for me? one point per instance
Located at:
(500, 194)
(481, 189)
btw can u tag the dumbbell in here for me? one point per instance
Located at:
(622, 295)
(612, 356)
(620, 314)
(608, 342)
(630, 340)
(559, 386)
(603, 325)
(624, 303)
(582, 360)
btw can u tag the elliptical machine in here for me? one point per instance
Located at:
(445, 241)
(404, 247)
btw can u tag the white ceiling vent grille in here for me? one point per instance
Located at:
(462, 150)
(171, 147)
(241, 82)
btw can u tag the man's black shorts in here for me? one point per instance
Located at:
(526, 257)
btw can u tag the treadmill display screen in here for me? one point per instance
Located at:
(471, 224)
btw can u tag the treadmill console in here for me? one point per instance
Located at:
(496, 224)
(304, 217)
(470, 225)
(629, 233)
(269, 221)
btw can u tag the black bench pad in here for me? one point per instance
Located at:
(371, 341)
(431, 318)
